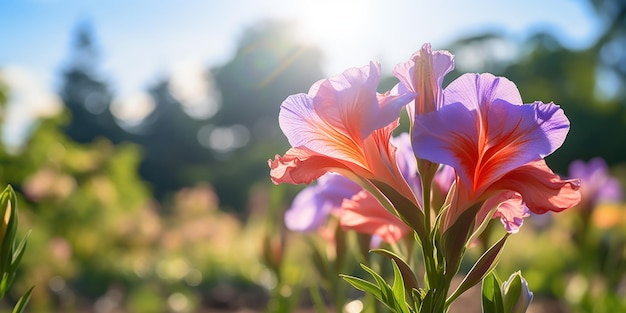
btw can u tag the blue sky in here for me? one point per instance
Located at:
(141, 39)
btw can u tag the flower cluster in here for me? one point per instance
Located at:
(475, 151)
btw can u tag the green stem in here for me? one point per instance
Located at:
(318, 302)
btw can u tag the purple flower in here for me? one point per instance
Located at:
(596, 183)
(313, 204)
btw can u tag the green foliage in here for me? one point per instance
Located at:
(492, 301)
(393, 297)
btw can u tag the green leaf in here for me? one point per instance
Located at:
(341, 249)
(18, 253)
(21, 304)
(319, 261)
(387, 293)
(363, 285)
(492, 295)
(399, 292)
(404, 208)
(410, 281)
(383, 294)
(454, 240)
(8, 200)
(485, 265)
(418, 297)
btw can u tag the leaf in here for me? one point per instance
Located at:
(387, 293)
(485, 264)
(492, 295)
(8, 202)
(18, 253)
(454, 239)
(418, 297)
(21, 304)
(399, 292)
(408, 212)
(410, 281)
(363, 285)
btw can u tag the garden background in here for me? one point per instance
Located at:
(158, 199)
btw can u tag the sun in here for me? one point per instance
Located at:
(326, 21)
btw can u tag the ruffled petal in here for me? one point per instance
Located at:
(364, 214)
(541, 189)
(302, 166)
(510, 208)
(304, 128)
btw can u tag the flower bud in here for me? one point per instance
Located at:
(517, 296)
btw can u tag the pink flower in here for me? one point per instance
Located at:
(342, 125)
(495, 143)
(364, 214)
(356, 208)
(423, 76)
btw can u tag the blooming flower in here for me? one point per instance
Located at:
(311, 207)
(343, 125)
(596, 184)
(364, 214)
(495, 143)
(356, 208)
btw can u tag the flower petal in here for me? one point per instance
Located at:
(541, 189)
(339, 113)
(406, 162)
(510, 209)
(310, 208)
(302, 166)
(307, 212)
(423, 75)
(487, 136)
(364, 214)
(478, 90)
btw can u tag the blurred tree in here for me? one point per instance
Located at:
(85, 94)
(230, 142)
(170, 144)
(588, 83)
(269, 65)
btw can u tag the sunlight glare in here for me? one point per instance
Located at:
(327, 20)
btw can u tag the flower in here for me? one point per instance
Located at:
(363, 213)
(597, 185)
(343, 125)
(356, 208)
(423, 76)
(495, 143)
(517, 296)
(311, 207)
(509, 207)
